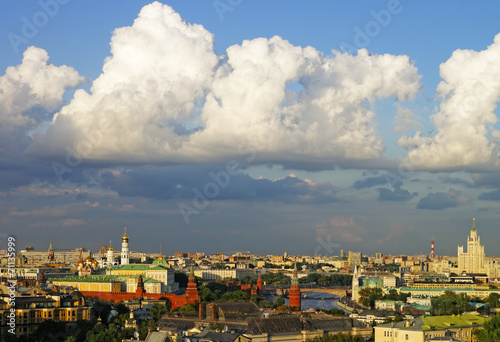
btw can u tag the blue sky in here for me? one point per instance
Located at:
(250, 125)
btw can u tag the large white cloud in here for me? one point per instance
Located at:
(28, 93)
(465, 135)
(34, 82)
(165, 96)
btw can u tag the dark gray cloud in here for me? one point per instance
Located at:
(490, 196)
(215, 183)
(370, 182)
(442, 200)
(398, 194)
(455, 180)
(486, 179)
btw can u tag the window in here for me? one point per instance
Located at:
(406, 336)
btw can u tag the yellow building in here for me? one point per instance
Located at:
(101, 283)
(38, 305)
(424, 328)
(159, 271)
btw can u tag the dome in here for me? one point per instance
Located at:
(111, 249)
(125, 236)
(89, 259)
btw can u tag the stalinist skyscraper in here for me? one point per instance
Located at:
(472, 261)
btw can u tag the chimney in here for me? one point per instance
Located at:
(201, 311)
(213, 315)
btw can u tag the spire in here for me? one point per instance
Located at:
(191, 272)
(51, 247)
(295, 278)
(473, 223)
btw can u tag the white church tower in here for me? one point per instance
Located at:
(110, 258)
(125, 257)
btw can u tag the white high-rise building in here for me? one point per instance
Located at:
(125, 256)
(472, 261)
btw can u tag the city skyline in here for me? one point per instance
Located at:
(212, 126)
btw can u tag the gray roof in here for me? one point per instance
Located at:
(157, 336)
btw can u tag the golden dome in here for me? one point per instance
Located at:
(89, 259)
(110, 249)
(125, 236)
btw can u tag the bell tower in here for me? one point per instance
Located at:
(125, 255)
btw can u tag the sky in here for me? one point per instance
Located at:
(262, 126)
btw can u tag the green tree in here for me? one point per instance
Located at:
(186, 308)
(284, 308)
(278, 302)
(206, 295)
(369, 295)
(157, 311)
(265, 304)
(491, 331)
(492, 300)
(450, 303)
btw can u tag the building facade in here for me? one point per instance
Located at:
(472, 260)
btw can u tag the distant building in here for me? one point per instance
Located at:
(53, 256)
(39, 304)
(430, 328)
(362, 279)
(471, 261)
(246, 318)
(354, 259)
(234, 273)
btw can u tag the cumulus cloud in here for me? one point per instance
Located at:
(165, 96)
(28, 93)
(343, 229)
(442, 200)
(465, 135)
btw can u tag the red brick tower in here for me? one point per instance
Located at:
(259, 283)
(140, 292)
(192, 291)
(294, 292)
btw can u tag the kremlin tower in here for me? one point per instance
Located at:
(294, 292)
(50, 257)
(125, 257)
(259, 283)
(191, 290)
